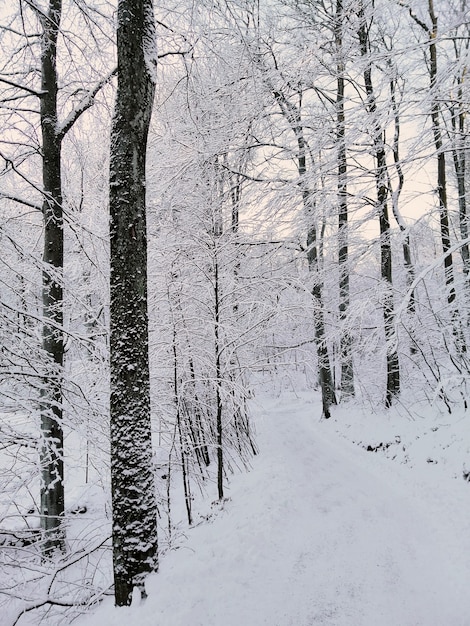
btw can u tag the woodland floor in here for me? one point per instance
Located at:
(322, 531)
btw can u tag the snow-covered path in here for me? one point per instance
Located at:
(319, 532)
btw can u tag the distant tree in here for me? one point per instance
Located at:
(347, 371)
(430, 28)
(382, 190)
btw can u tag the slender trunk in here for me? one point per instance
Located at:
(292, 115)
(381, 184)
(218, 381)
(460, 165)
(409, 268)
(324, 369)
(201, 438)
(459, 159)
(132, 479)
(442, 184)
(460, 173)
(325, 376)
(235, 195)
(52, 442)
(184, 464)
(441, 172)
(441, 162)
(347, 371)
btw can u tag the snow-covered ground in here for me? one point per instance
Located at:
(322, 531)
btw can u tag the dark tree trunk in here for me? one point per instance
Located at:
(381, 183)
(218, 376)
(292, 115)
(459, 150)
(179, 423)
(52, 440)
(132, 480)
(409, 268)
(441, 174)
(347, 372)
(441, 168)
(324, 369)
(313, 243)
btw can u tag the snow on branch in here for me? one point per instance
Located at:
(422, 275)
(8, 196)
(86, 102)
(33, 92)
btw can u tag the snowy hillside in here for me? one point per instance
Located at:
(322, 531)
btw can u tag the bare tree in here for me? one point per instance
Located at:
(347, 371)
(435, 112)
(132, 480)
(382, 189)
(40, 27)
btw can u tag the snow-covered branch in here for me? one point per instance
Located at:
(86, 102)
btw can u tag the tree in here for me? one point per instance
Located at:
(457, 131)
(58, 112)
(132, 480)
(347, 371)
(442, 191)
(382, 189)
(52, 444)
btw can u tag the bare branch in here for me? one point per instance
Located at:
(86, 102)
(414, 16)
(32, 205)
(33, 92)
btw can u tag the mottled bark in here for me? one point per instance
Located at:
(52, 439)
(132, 480)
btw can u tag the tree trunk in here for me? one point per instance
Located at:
(458, 139)
(132, 480)
(441, 174)
(409, 268)
(52, 441)
(347, 372)
(218, 376)
(325, 376)
(442, 184)
(381, 183)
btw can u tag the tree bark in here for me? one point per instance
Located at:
(408, 263)
(132, 480)
(51, 451)
(325, 376)
(441, 174)
(381, 183)
(347, 371)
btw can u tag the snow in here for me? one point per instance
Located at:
(321, 531)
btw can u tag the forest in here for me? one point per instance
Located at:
(201, 204)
